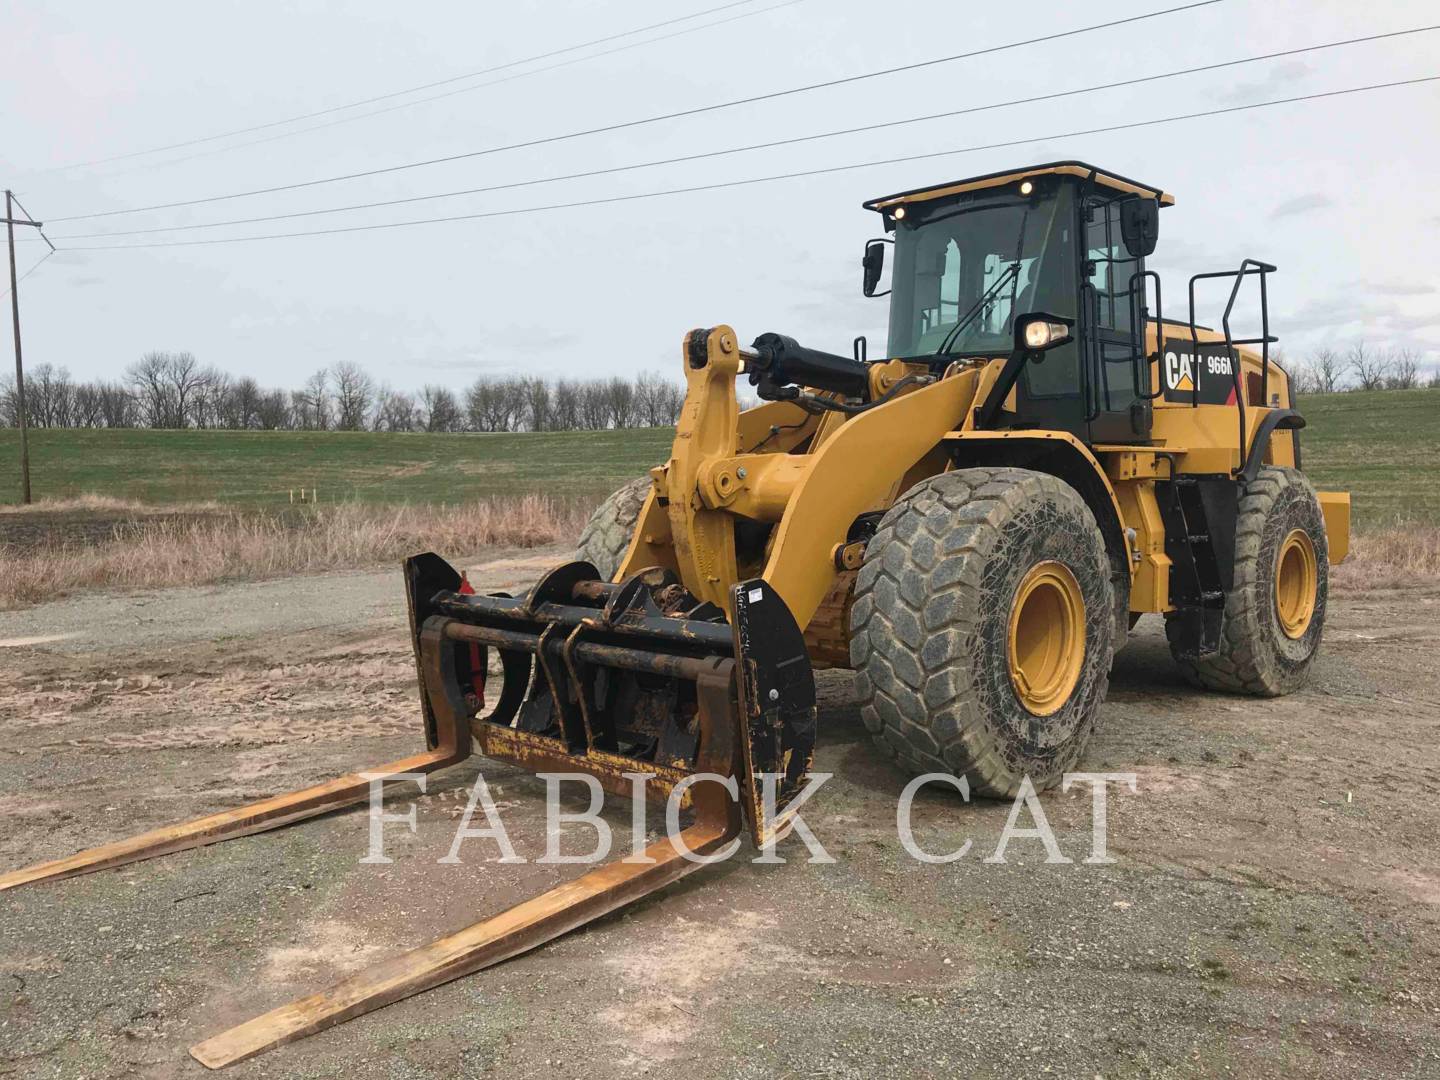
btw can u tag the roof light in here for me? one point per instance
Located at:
(1026, 187)
(899, 214)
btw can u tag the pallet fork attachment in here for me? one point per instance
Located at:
(524, 927)
(602, 679)
(452, 747)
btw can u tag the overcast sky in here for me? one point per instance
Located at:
(1340, 193)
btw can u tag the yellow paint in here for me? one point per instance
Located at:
(1335, 505)
(704, 538)
(1134, 463)
(1046, 640)
(1206, 438)
(756, 486)
(651, 544)
(1149, 565)
(853, 472)
(1033, 435)
(1102, 179)
(755, 427)
(1296, 583)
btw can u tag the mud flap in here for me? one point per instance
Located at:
(777, 705)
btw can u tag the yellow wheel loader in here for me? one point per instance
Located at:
(972, 524)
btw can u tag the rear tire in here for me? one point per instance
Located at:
(972, 575)
(606, 536)
(1275, 614)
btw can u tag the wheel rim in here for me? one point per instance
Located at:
(1047, 637)
(1296, 582)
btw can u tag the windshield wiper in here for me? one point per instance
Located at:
(954, 335)
(1012, 273)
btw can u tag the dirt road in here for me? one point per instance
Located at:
(1274, 910)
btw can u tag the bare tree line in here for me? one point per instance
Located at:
(1359, 366)
(173, 390)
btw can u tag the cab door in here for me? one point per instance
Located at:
(1111, 357)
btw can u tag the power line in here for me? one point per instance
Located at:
(757, 146)
(623, 125)
(400, 93)
(778, 176)
(16, 199)
(35, 266)
(452, 93)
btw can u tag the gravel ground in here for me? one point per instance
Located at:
(1273, 910)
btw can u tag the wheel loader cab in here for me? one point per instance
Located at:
(970, 259)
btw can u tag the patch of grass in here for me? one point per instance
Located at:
(1380, 446)
(80, 504)
(1393, 557)
(1215, 969)
(258, 469)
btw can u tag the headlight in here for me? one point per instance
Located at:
(1039, 334)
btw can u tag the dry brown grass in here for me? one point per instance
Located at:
(1393, 557)
(102, 504)
(215, 546)
(147, 554)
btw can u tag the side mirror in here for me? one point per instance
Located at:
(1039, 331)
(874, 263)
(1140, 226)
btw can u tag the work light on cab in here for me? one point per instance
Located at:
(1040, 332)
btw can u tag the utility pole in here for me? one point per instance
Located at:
(10, 222)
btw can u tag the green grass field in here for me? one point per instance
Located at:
(258, 469)
(1379, 446)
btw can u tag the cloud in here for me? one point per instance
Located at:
(501, 345)
(70, 258)
(1301, 204)
(530, 339)
(1180, 254)
(1343, 309)
(1421, 321)
(1280, 77)
(84, 282)
(1380, 318)
(1394, 288)
(462, 363)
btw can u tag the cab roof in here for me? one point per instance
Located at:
(1113, 181)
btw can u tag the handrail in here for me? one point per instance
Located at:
(1087, 341)
(1139, 316)
(1247, 267)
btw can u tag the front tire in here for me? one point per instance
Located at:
(983, 628)
(1275, 613)
(606, 536)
